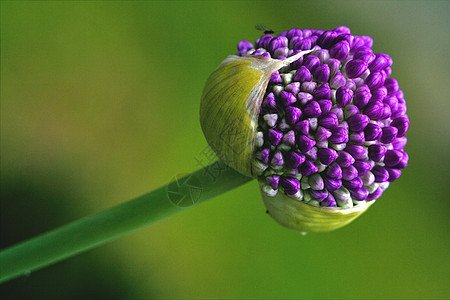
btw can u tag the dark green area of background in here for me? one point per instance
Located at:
(99, 104)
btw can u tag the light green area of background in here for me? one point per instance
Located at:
(99, 104)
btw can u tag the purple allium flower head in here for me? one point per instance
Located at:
(334, 121)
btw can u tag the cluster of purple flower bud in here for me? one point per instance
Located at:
(332, 124)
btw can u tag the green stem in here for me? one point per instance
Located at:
(97, 229)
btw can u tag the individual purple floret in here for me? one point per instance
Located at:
(333, 122)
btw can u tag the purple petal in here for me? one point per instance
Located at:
(293, 114)
(327, 39)
(340, 135)
(350, 84)
(318, 195)
(329, 121)
(304, 143)
(358, 122)
(277, 42)
(338, 80)
(345, 159)
(287, 98)
(350, 110)
(355, 183)
(341, 50)
(399, 143)
(359, 194)
(304, 97)
(244, 45)
(381, 62)
(293, 33)
(295, 159)
(323, 92)
(302, 127)
(392, 157)
(293, 88)
(342, 29)
(269, 101)
(379, 94)
(392, 102)
(365, 54)
(356, 151)
(381, 174)
(311, 62)
(263, 155)
(338, 112)
(334, 171)
(362, 166)
(290, 185)
(349, 173)
(302, 74)
(334, 65)
(322, 134)
(391, 85)
(375, 80)
(275, 136)
(355, 68)
(332, 184)
(388, 134)
(323, 55)
(362, 96)
(386, 112)
(358, 138)
(374, 110)
(376, 152)
(343, 96)
(275, 78)
(312, 109)
(402, 124)
(273, 181)
(327, 156)
(403, 162)
(322, 73)
(372, 132)
(277, 159)
(303, 44)
(308, 168)
(289, 138)
(309, 86)
(375, 195)
(312, 154)
(325, 105)
(329, 201)
(394, 174)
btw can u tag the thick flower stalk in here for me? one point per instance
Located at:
(328, 135)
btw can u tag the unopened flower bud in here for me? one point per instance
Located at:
(322, 130)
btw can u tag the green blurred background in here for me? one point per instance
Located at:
(99, 104)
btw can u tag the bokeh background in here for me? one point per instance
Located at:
(99, 104)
